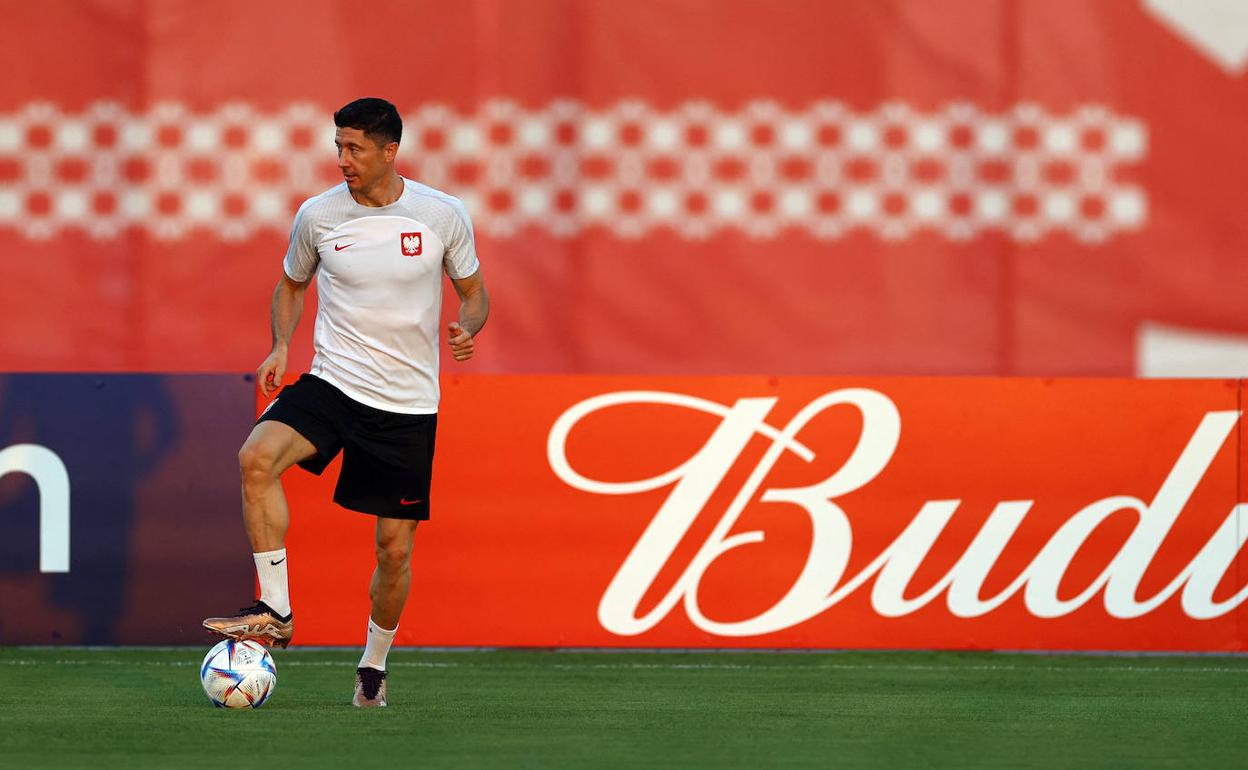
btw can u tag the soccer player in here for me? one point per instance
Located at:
(378, 245)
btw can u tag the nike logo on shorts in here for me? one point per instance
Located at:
(405, 501)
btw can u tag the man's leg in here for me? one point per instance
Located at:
(393, 575)
(388, 592)
(268, 452)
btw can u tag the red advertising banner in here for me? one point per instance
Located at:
(809, 513)
(958, 188)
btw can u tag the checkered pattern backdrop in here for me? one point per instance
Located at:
(825, 169)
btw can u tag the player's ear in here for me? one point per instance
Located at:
(391, 150)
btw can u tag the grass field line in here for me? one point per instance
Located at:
(667, 666)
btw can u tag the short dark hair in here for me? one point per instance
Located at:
(377, 118)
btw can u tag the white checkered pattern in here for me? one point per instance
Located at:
(631, 169)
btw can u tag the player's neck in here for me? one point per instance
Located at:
(381, 193)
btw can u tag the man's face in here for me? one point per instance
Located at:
(360, 159)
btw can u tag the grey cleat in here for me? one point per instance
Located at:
(370, 688)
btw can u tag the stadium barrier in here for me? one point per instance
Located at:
(670, 512)
(119, 506)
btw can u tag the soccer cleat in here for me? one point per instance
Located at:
(258, 622)
(370, 688)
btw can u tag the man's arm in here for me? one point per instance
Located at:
(474, 307)
(284, 316)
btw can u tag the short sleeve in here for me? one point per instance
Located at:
(301, 255)
(460, 259)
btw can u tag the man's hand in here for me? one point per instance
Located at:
(269, 375)
(460, 341)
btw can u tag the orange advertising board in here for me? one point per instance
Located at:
(757, 512)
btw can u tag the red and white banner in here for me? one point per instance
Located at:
(806, 187)
(810, 512)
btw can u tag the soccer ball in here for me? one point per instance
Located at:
(238, 674)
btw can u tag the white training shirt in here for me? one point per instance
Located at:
(379, 280)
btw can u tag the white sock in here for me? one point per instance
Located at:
(271, 569)
(378, 647)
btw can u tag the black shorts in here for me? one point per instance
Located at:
(387, 457)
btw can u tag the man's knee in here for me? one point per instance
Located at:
(394, 544)
(262, 461)
(394, 556)
(257, 460)
(269, 451)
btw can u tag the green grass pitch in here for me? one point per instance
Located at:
(133, 708)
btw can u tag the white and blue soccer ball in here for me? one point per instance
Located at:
(238, 674)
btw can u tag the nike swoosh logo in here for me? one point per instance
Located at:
(405, 501)
(279, 561)
(340, 248)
